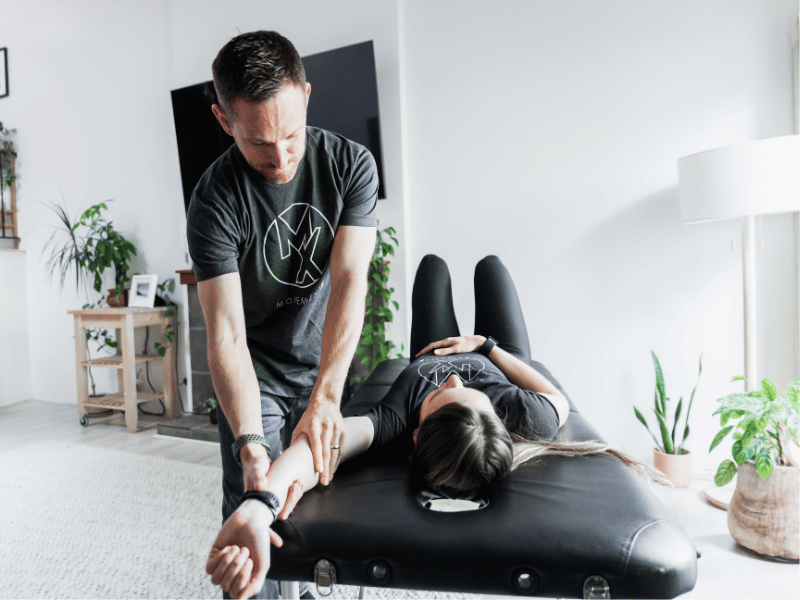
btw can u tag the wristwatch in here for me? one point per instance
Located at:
(268, 498)
(487, 346)
(247, 438)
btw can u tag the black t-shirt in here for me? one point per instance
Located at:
(524, 412)
(279, 238)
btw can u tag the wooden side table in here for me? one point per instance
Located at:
(127, 399)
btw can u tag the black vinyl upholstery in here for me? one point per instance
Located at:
(558, 520)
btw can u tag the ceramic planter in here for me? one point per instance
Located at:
(763, 513)
(676, 467)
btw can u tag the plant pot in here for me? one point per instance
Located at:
(212, 416)
(117, 300)
(763, 513)
(676, 467)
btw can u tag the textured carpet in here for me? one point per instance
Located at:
(84, 522)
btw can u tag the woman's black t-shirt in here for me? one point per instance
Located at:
(524, 412)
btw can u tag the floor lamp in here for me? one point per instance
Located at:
(741, 181)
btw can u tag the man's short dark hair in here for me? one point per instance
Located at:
(254, 66)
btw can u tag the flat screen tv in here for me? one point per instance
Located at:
(344, 99)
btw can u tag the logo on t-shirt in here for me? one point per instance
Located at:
(297, 245)
(438, 369)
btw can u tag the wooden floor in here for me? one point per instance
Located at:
(33, 421)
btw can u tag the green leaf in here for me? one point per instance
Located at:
(365, 361)
(720, 436)
(727, 470)
(668, 448)
(677, 416)
(161, 351)
(396, 304)
(738, 378)
(765, 462)
(641, 418)
(359, 350)
(768, 389)
(741, 454)
(660, 387)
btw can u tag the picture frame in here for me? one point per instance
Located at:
(143, 291)
(3, 72)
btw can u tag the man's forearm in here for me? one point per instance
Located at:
(236, 385)
(344, 321)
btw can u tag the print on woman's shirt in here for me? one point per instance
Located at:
(297, 245)
(437, 369)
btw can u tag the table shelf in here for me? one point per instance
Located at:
(115, 362)
(117, 401)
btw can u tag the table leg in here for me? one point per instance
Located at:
(169, 375)
(120, 372)
(81, 357)
(129, 375)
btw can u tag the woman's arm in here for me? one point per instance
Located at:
(239, 558)
(516, 371)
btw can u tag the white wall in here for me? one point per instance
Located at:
(15, 368)
(89, 97)
(548, 133)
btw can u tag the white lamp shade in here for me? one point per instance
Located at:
(753, 178)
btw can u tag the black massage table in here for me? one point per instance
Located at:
(567, 527)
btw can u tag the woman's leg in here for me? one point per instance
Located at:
(497, 309)
(433, 317)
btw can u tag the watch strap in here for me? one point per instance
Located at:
(247, 438)
(487, 346)
(268, 498)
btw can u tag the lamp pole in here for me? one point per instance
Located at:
(749, 285)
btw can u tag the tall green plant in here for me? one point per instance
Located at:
(757, 435)
(89, 245)
(374, 348)
(669, 439)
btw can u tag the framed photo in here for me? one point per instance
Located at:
(143, 291)
(3, 72)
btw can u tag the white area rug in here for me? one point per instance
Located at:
(84, 522)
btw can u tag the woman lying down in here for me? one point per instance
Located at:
(473, 406)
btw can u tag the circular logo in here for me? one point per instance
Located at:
(436, 370)
(297, 245)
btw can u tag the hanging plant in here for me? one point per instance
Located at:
(7, 174)
(374, 348)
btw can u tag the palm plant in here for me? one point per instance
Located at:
(669, 439)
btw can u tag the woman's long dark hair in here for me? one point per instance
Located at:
(460, 448)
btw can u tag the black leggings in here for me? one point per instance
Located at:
(497, 310)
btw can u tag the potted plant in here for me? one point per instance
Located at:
(91, 245)
(209, 407)
(763, 513)
(670, 457)
(374, 348)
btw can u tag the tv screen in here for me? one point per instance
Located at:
(344, 99)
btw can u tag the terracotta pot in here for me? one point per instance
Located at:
(117, 301)
(676, 467)
(763, 513)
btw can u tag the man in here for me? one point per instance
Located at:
(281, 229)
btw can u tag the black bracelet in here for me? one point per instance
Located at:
(268, 498)
(487, 346)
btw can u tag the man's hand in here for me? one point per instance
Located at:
(454, 345)
(255, 465)
(239, 559)
(323, 427)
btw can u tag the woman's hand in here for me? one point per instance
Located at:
(239, 559)
(454, 345)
